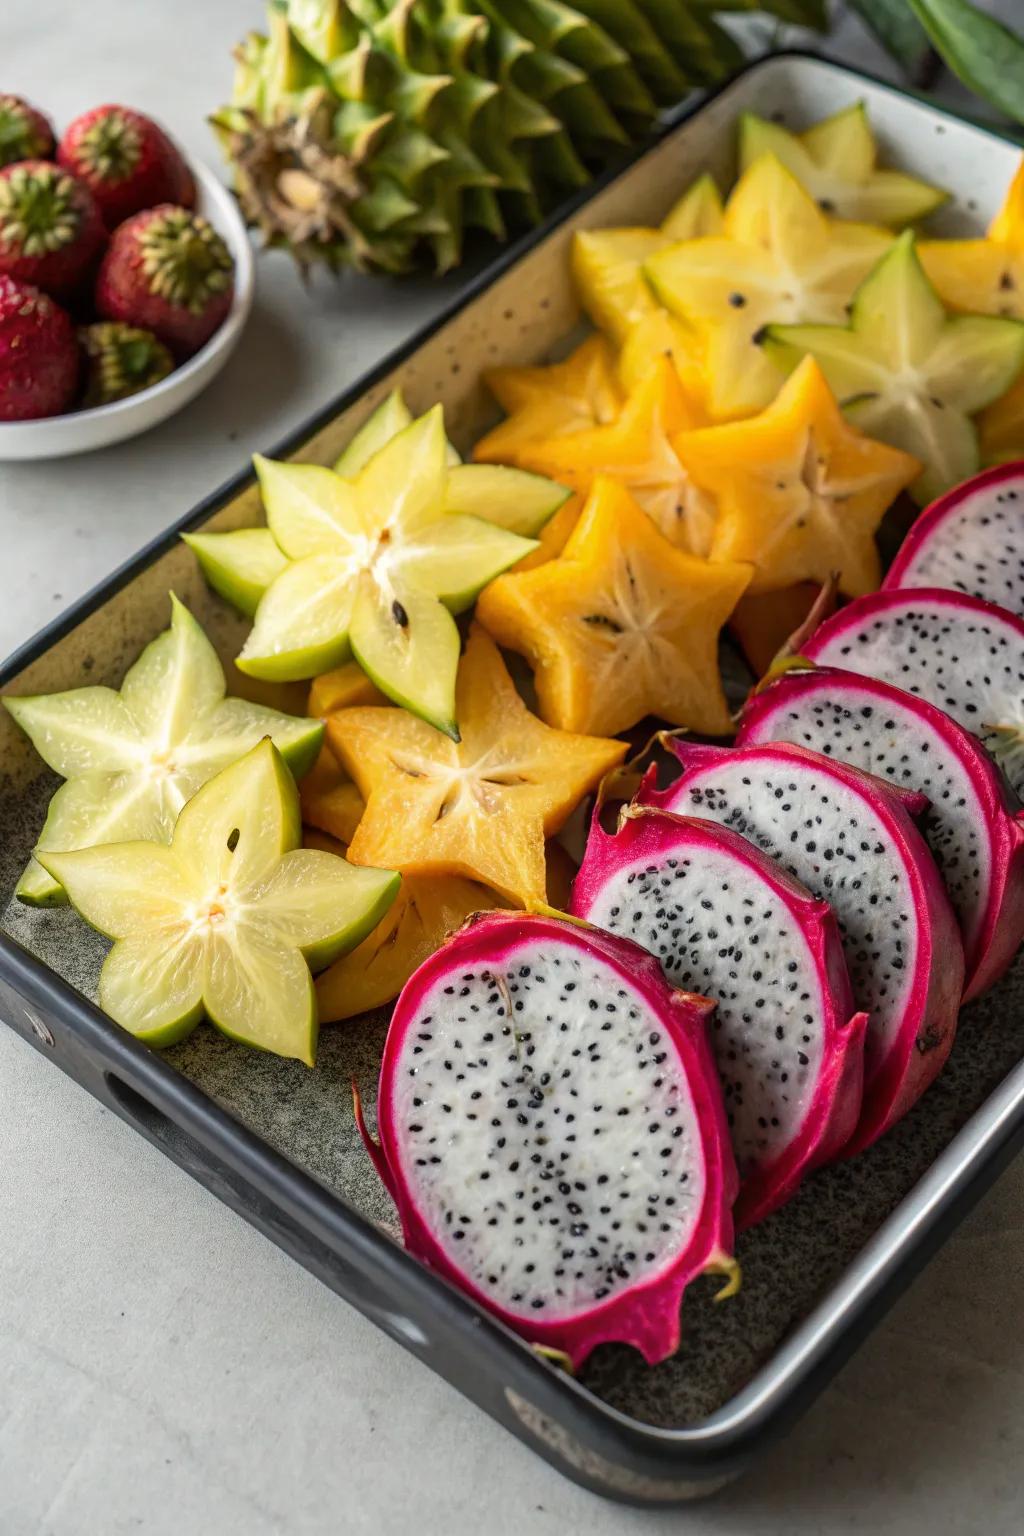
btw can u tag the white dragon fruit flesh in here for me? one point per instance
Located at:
(962, 654)
(850, 840)
(725, 920)
(552, 1133)
(973, 826)
(971, 540)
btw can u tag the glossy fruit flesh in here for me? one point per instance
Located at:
(971, 540)
(851, 841)
(606, 1107)
(133, 758)
(240, 565)
(724, 919)
(227, 920)
(973, 827)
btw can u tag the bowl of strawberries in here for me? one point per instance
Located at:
(126, 276)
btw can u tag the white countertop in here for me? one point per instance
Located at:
(163, 1368)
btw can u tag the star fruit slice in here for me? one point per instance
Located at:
(1001, 427)
(907, 373)
(239, 565)
(800, 492)
(836, 161)
(607, 264)
(226, 921)
(480, 807)
(620, 626)
(132, 758)
(638, 451)
(983, 277)
(377, 568)
(779, 259)
(562, 398)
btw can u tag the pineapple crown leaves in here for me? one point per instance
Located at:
(409, 121)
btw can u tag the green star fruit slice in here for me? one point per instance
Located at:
(132, 758)
(387, 557)
(227, 921)
(836, 161)
(391, 417)
(240, 565)
(407, 643)
(908, 373)
(509, 498)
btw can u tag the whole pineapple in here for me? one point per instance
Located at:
(373, 133)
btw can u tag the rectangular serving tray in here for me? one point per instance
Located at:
(277, 1142)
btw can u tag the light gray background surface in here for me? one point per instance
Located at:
(164, 1369)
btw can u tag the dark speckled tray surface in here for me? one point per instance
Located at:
(813, 1272)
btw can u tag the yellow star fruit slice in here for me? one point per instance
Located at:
(983, 277)
(638, 451)
(481, 807)
(779, 259)
(133, 758)
(836, 161)
(620, 626)
(227, 920)
(800, 492)
(1001, 427)
(562, 398)
(907, 373)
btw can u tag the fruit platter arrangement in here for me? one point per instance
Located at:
(109, 277)
(652, 756)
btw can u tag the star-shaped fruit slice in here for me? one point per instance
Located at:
(226, 921)
(240, 565)
(480, 807)
(378, 564)
(608, 264)
(984, 277)
(779, 259)
(800, 492)
(638, 451)
(133, 757)
(620, 626)
(571, 396)
(907, 373)
(1001, 427)
(836, 161)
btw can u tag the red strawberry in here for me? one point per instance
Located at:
(50, 227)
(38, 354)
(25, 134)
(167, 271)
(127, 162)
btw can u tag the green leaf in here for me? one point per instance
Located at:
(897, 29)
(985, 55)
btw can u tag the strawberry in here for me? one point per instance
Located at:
(38, 354)
(120, 360)
(25, 134)
(167, 271)
(50, 227)
(127, 161)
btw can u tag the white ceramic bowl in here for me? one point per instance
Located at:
(81, 431)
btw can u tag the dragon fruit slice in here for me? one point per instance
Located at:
(552, 1133)
(971, 539)
(974, 830)
(962, 654)
(850, 840)
(721, 916)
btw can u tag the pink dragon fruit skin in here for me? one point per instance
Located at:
(631, 1072)
(900, 935)
(655, 880)
(970, 540)
(962, 654)
(975, 828)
